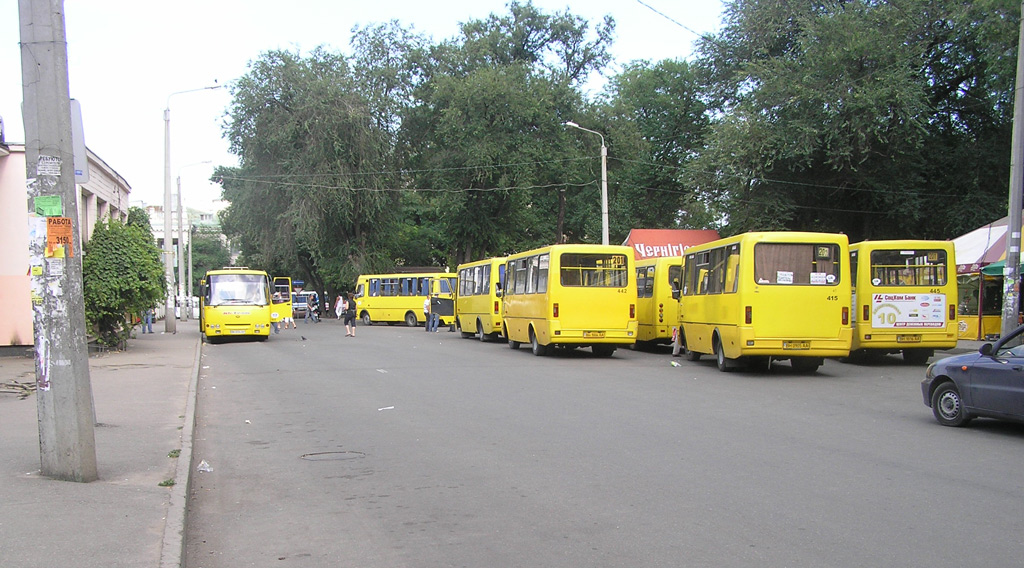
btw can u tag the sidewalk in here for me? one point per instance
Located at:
(145, 408)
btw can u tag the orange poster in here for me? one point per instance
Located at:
(59, 237)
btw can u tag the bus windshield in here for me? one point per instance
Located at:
(594, 270)
(238, 289)
(796, 264)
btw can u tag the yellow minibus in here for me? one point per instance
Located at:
(904, 298)
(758, 297)
(571, 296)
(478, 298)
(235, 302)
(396, 298)
(657, 305)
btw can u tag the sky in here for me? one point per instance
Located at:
(128, 60)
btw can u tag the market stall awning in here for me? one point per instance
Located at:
(981, 247)
(996, 268)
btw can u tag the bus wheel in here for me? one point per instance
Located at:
(480, 332)
(366, 318)
(602, 350)
(462, 329)
(805, 364)
(511, 344)
(690, 354)
(410, 319)
(917, 356)
(535, 345)
(720, 359)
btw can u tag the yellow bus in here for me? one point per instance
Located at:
(904, 298)
(478, 298)
(758, 297)
(397, 298)
(235, 302)
(657, 304)
(571, 296)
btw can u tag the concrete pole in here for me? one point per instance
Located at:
(604, 193)
(181, 256)
(169, 321)
(67, 443)
(189, 302)
(1011, 271)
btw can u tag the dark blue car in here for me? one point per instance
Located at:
(989, 383)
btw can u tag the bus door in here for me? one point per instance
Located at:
(282, 299)
(442, 302)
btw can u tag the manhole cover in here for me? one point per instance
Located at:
(332, 456)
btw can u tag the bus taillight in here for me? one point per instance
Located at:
(867, 313)
(748, 315)
(952, 312)
(632, 311)
(554, 310)
(846, 316)
(495, 307)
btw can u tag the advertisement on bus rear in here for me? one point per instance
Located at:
(908, 311)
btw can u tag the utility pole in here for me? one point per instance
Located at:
(1011, 271)
(181, 257)
(67, 443)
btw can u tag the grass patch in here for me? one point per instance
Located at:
(167, 483)
(174, 453)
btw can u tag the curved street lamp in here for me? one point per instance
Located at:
(604, 180)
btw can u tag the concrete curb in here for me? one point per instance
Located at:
(172, 552)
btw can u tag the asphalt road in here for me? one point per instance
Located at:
(399, 448)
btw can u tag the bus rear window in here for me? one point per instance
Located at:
(797, 264)
(594, 270)
(908, 267)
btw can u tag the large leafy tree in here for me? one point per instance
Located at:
(841, 115)
(122, 276)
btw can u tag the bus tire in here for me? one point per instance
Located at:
(480, 332)
(410, 319)
(805, 364)
(366, 318)
(535, 346)
(462, 329)
(511, 343)
(602, 350)
(917, 356)
(720, 359)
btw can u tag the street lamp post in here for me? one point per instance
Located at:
(169, 320)
(604, 180)
(185, 300)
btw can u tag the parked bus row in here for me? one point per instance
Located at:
(745, 300)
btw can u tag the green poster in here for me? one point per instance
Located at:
(49, 206)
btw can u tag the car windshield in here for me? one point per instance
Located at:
(1012, 345)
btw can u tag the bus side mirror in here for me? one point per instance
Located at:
(675, 294)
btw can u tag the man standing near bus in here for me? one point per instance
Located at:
(426, 314)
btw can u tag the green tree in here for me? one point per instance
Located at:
(208, 253)
(122, 276)
(838, 115)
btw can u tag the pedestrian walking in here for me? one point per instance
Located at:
(434, 316)
(147, 320)
(350, 316)
(426, 314)
(339, 307)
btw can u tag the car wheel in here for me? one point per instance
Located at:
(720, 360)
(410, 319)
(538, 349)
(948, 407)
(366, 318)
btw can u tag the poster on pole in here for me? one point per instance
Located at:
(59, 237)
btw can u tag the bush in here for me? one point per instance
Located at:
(122, 276)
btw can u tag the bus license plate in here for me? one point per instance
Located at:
(237, 331)
(796, 344)
(908, 338)
(593, 334)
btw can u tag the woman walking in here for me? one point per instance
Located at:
(350, 316)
